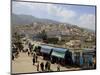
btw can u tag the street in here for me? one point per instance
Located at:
(23, 64)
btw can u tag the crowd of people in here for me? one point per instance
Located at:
(40, 65)
(15, 52)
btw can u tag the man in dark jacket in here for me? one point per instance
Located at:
(46, 66)
(42, 66)
(12, 57)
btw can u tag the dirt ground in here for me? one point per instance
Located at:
(23, 64)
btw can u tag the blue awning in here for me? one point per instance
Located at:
(46, 49)
(60, 49)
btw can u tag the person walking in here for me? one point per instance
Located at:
(90, 62)
(58, 67)
(36, 57)
(33, 59)
(16, 54)
(42, 66)
(94, 62)
(49, 66)
(31, 53)
(12, 57)
(46, 66)
(28, 53)
(38, 66)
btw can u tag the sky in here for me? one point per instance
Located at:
(80, 15)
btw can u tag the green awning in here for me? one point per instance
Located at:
(35, 46)
(58, 54)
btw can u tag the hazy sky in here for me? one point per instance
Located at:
(83, 16)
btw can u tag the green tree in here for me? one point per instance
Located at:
(17, 37)
(43, 35)
(17, 41)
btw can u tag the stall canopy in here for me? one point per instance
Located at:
(46, 49)
(89, 51)
(59, 52)
(36, 45)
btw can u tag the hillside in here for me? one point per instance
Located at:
(28, 19)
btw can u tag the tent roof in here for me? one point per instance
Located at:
(58, 54)
(60, 49)
(46, 49)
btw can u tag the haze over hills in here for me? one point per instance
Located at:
(28, 19)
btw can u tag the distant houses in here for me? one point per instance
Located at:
(74, 44)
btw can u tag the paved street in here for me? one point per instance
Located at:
(23, 64)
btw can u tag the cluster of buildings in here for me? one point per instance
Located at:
(83, 58)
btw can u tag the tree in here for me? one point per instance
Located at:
(43, 35)
(17, 41)
(53, 40)
(17, 37)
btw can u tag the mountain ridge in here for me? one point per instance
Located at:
(28, 19)
(21, 19)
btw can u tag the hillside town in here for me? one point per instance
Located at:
(51, 37)
(60, 46)
(63, 33)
